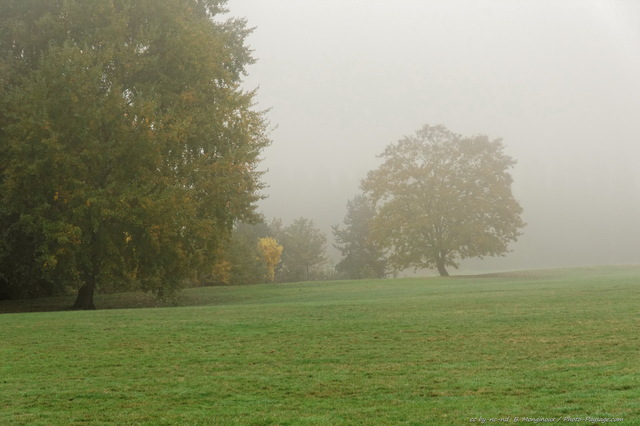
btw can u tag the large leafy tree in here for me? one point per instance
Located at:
(361, 257)
(127, 147)
(443, 197)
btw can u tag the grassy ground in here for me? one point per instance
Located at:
(552, 344)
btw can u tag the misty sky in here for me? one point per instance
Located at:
(558, 81)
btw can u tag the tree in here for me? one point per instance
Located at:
(304, 251)
(127, 147)
(361, 258)
(441, 197)
(247, 265)
(270, 253)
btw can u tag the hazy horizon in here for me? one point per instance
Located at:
(557, 81)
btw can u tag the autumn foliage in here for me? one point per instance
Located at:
(127, 147)
(270, 252)
(441, 197)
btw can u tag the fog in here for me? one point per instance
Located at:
(559, 82)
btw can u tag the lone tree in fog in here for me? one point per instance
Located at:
(443, 197)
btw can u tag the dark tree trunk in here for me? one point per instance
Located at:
(441, 269)
(84, 301)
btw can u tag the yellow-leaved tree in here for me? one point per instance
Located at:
(271, 252)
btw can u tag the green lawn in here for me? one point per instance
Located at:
(547, 344)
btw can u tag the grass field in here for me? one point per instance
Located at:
(562, 344)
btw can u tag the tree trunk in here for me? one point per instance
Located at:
(84, 301)
(441, 269)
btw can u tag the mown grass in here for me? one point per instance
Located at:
(550, 344)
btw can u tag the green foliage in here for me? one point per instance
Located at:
(247, 263)
(408, 351)
(361, 258)
(443, 197)
(127, 148)
(304, 253)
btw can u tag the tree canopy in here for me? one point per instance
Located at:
(127, 147)
(270, 253)
(304, 252)
(251, 256)
(361, 257)
(443, 197)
